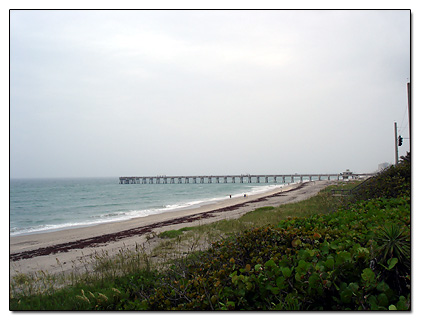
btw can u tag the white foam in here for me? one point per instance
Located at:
(262, 189)
(103, 218)
(250, 190)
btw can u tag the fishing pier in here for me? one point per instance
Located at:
(221, 179)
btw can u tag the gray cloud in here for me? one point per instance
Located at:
(109, 93)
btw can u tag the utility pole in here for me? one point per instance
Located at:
(408, 90)
(396, 143)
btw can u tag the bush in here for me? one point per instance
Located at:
(357, 258)
(392, 182)
(318, 263)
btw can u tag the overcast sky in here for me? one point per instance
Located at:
(124, 93)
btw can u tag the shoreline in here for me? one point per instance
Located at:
(179, 206)
(56, 251)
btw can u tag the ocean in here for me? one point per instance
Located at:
(42, 205)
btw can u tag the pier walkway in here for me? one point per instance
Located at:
(221, 179)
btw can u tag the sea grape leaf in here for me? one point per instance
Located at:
(329, 263)
(383, 287)
(354, 287)
(368, 275)
(286, 272)
(270, 263)
(392, 263)
(296, 242)
(382, 299)
(280, 282)
(312, 280)
(346, 296)
(401, 305)
(342, 257)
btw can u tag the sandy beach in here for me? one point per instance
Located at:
(59, 251)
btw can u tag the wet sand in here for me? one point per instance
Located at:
(60, 250)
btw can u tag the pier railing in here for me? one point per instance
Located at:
(221, 179)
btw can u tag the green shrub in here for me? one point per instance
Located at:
(318, 263)
(394, 181)
(356, 258)
(170, 234)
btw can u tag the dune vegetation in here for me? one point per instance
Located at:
(326, 253)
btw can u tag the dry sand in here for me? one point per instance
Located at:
(59, 251)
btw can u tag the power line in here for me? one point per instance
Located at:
(403, 128)
(404, 115)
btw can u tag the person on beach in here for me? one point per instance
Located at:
(230, 195)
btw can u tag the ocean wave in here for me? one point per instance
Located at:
(107, 215)
(116, 216)
(182, 205)
(249, 190)
(94, 220)
(44, 228)
(262, 189)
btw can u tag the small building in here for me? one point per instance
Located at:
(346, 174)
